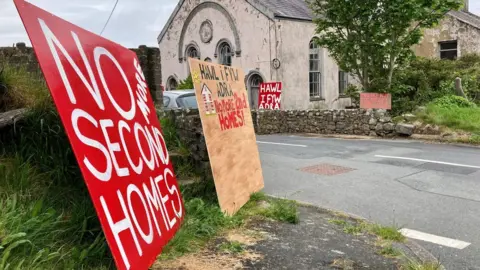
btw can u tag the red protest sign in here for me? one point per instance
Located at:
(270, 96)
(375, 101)
(102, 99)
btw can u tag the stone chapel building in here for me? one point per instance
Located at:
(272, 40)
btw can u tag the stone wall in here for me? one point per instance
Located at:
(23, 56)
(189, 130)
(352, 122)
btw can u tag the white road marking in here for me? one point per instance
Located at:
(439, 240)
(430, 161)
(285, 144)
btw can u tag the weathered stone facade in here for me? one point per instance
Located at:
(22, 56)
(460, 26)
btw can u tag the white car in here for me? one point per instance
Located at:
(179, 99)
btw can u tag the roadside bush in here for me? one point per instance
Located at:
(453, 101)
(186, 84)
(424, 80)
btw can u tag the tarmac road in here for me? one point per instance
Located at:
(431, 191)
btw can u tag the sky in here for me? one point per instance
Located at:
(134, 22)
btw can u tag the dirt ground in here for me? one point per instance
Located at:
(314, 243)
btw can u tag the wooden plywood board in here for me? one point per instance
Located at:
(228, 128)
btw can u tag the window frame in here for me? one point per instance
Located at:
(342, 84)
(168, 99)
(448, 42)
(180, 103)
(228, 55)
(315, 76)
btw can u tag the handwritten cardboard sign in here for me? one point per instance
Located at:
(102, 99)
(270, 96)
(375, 101)
(229, 134)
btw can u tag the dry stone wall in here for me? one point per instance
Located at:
(352, 122)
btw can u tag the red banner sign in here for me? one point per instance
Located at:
(104, 103)
(270, 96)
(375, 101)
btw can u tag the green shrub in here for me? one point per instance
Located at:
(424, 80)
(186, 84)
(453, 101)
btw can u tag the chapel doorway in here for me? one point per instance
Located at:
(253, 85)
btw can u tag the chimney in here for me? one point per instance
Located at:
(465, 6)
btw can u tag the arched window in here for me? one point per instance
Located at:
(172, 83)
(315, 74)
(192, 52)
(253, 85)
(225, 54)
(208, 60)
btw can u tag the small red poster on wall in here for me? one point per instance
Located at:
(104, 103)
(375, 101)
(270, 96)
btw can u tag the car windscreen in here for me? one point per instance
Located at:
(187, 101)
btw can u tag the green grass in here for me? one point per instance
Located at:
(338, 222)
(389, 251)
(415, 265)
(204, 219)
(386, 232)
(47, 220)
(276, 209)
(233, 247)
(361, 227)
(21, 89)
(456, 118)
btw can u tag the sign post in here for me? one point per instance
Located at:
(270, 96)
(103, 101)
(229, 134)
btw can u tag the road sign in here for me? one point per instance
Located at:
(104, 103)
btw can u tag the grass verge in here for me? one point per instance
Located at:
(204, 219)
(415, 265)
(456, 118)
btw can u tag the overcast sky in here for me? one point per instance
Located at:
(135, 22)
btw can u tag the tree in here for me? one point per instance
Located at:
(371, 38)
(187, 84)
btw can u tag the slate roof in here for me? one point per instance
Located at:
(295, 9)
(466, 17)
(298, 9)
